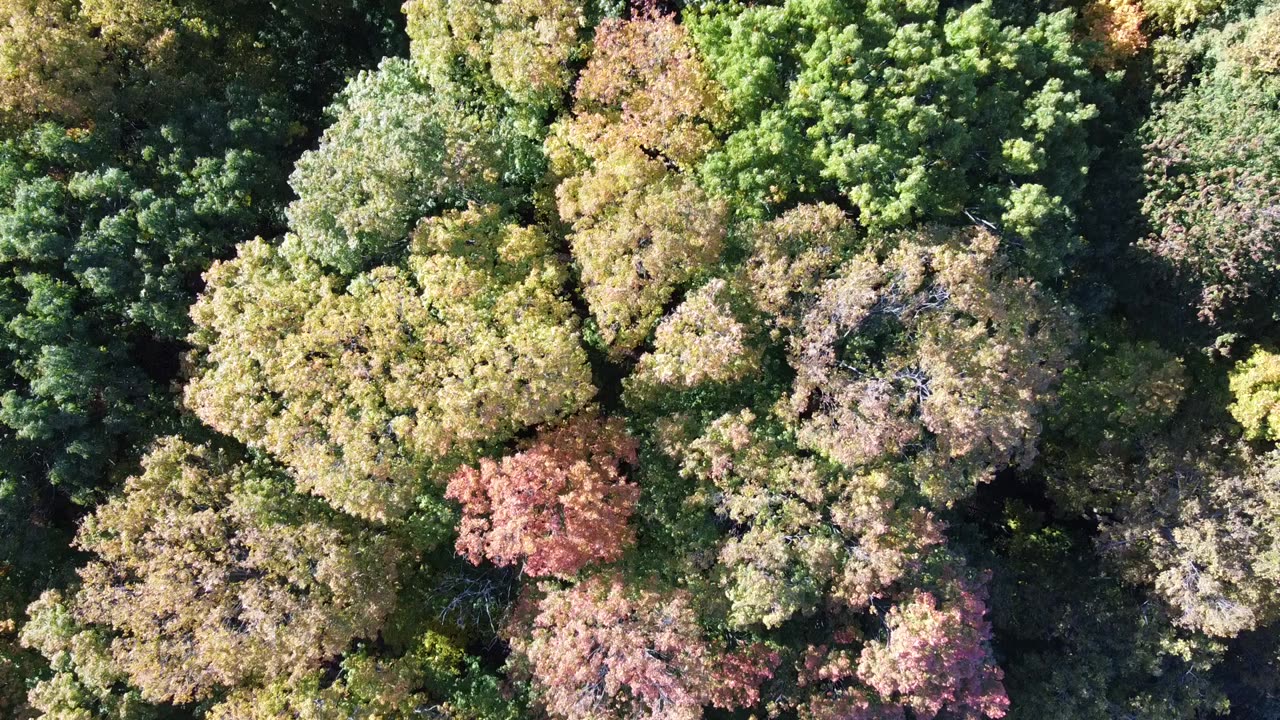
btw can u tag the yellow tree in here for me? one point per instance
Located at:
(642, 115)
(365, 391)
(211, 572)
(51, 62)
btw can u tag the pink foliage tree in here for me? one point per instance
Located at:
(603, 650)
(557, 506)
(937, 656)
(829, 674)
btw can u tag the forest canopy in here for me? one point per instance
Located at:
(668, 359)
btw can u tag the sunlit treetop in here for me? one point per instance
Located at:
(526, 49)
(608, 650)
(706, 339)
(211, 572)
(792, 254)
(641, 120)
(1116, 25)
(909, 111)
(933, 657)
(938, 656)
(806, 534)
(621, 363)
(51, 65)
(556, 507)
(399, 150)
(363, 390)
(931, 348)
(1255, 383)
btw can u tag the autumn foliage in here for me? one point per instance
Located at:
(937, 656)
(364, 390)
(640, 122)
(208, 581)
(1117, 26)
(963, 396)
(555, 507)
(603, 649)
(626, 360)
(805, 532)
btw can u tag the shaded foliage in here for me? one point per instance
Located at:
(1212, 174)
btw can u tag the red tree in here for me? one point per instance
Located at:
(557, 506)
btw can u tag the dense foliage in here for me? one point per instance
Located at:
(506, 359)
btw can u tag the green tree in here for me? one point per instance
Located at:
(98, 249)
(908, 111)
(399, 149)
(1213, 174)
